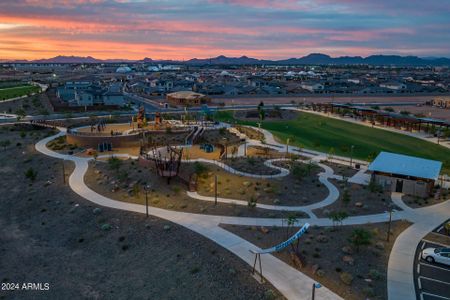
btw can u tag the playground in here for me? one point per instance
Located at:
(217, 174)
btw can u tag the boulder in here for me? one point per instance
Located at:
(347, 250)
(315, 268)
(320, 273)
(346, 278)
(359, 204)
(348, 260)
(264, 230)
(322, 238)
(246, 183)
(379, 245)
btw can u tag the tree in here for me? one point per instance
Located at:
(31, 174)
(331, 153)
(360, 237)
(337, 217)
(346, 198)
(5, 144)
(261, 111)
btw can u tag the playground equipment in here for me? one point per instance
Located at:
(276, 248)
(208, 148)
(168, 166)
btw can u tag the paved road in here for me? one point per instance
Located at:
(432, 280)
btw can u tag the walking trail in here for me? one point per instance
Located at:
(292, 283)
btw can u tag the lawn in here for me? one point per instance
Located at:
(17, 91)
(330, 135)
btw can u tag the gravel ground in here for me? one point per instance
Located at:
(48, 234)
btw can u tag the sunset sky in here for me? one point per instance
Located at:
(182, 29)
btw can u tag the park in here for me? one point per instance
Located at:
(240, 186)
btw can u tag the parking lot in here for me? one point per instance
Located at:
(432, 280)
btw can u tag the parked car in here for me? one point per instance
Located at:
(439, 255)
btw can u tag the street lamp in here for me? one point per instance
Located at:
(287, 146)
(351, 155)
(391, 211)
(315, 286)
(146, 188)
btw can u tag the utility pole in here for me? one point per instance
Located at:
(146, 200)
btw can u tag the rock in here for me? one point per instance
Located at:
(379, 245)
(246, 183)
(348, 259)
(211, 185)
(359, 204)
(347, 250)
(322, 238)
(315, 268)
(296, 260)
(97, 211)
(264, 230)
(97, 172)
(320, 273)
(167, 227)
(106, 227)
(346, 278)
(276, 201)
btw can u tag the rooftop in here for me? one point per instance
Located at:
(399, 164)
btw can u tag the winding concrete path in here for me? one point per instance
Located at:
(290, 282)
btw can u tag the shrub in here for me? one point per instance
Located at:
(31, 174)
(360, 237)
(200, 168)
(114, 163)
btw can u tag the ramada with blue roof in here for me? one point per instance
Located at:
(405, 174)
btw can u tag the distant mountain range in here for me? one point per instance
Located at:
(311, 59)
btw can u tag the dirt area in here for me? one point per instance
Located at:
(221, 136)
(361, 201)
(48, 234)
(345, 171)
(308, 98)
(127, 184)
(250, 132)
(33, 105)
(416, 202)
(265, 152)
(287, 190)
(424, 111)
(252, 165)
(197, 152)
(334, 262)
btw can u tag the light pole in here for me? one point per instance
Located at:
(391, 211)
(351, 155)
(287, 146)
(215, 189)
(315, 286)
(146, 200)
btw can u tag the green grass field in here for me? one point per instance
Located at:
(323, 134)
(13, 92)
